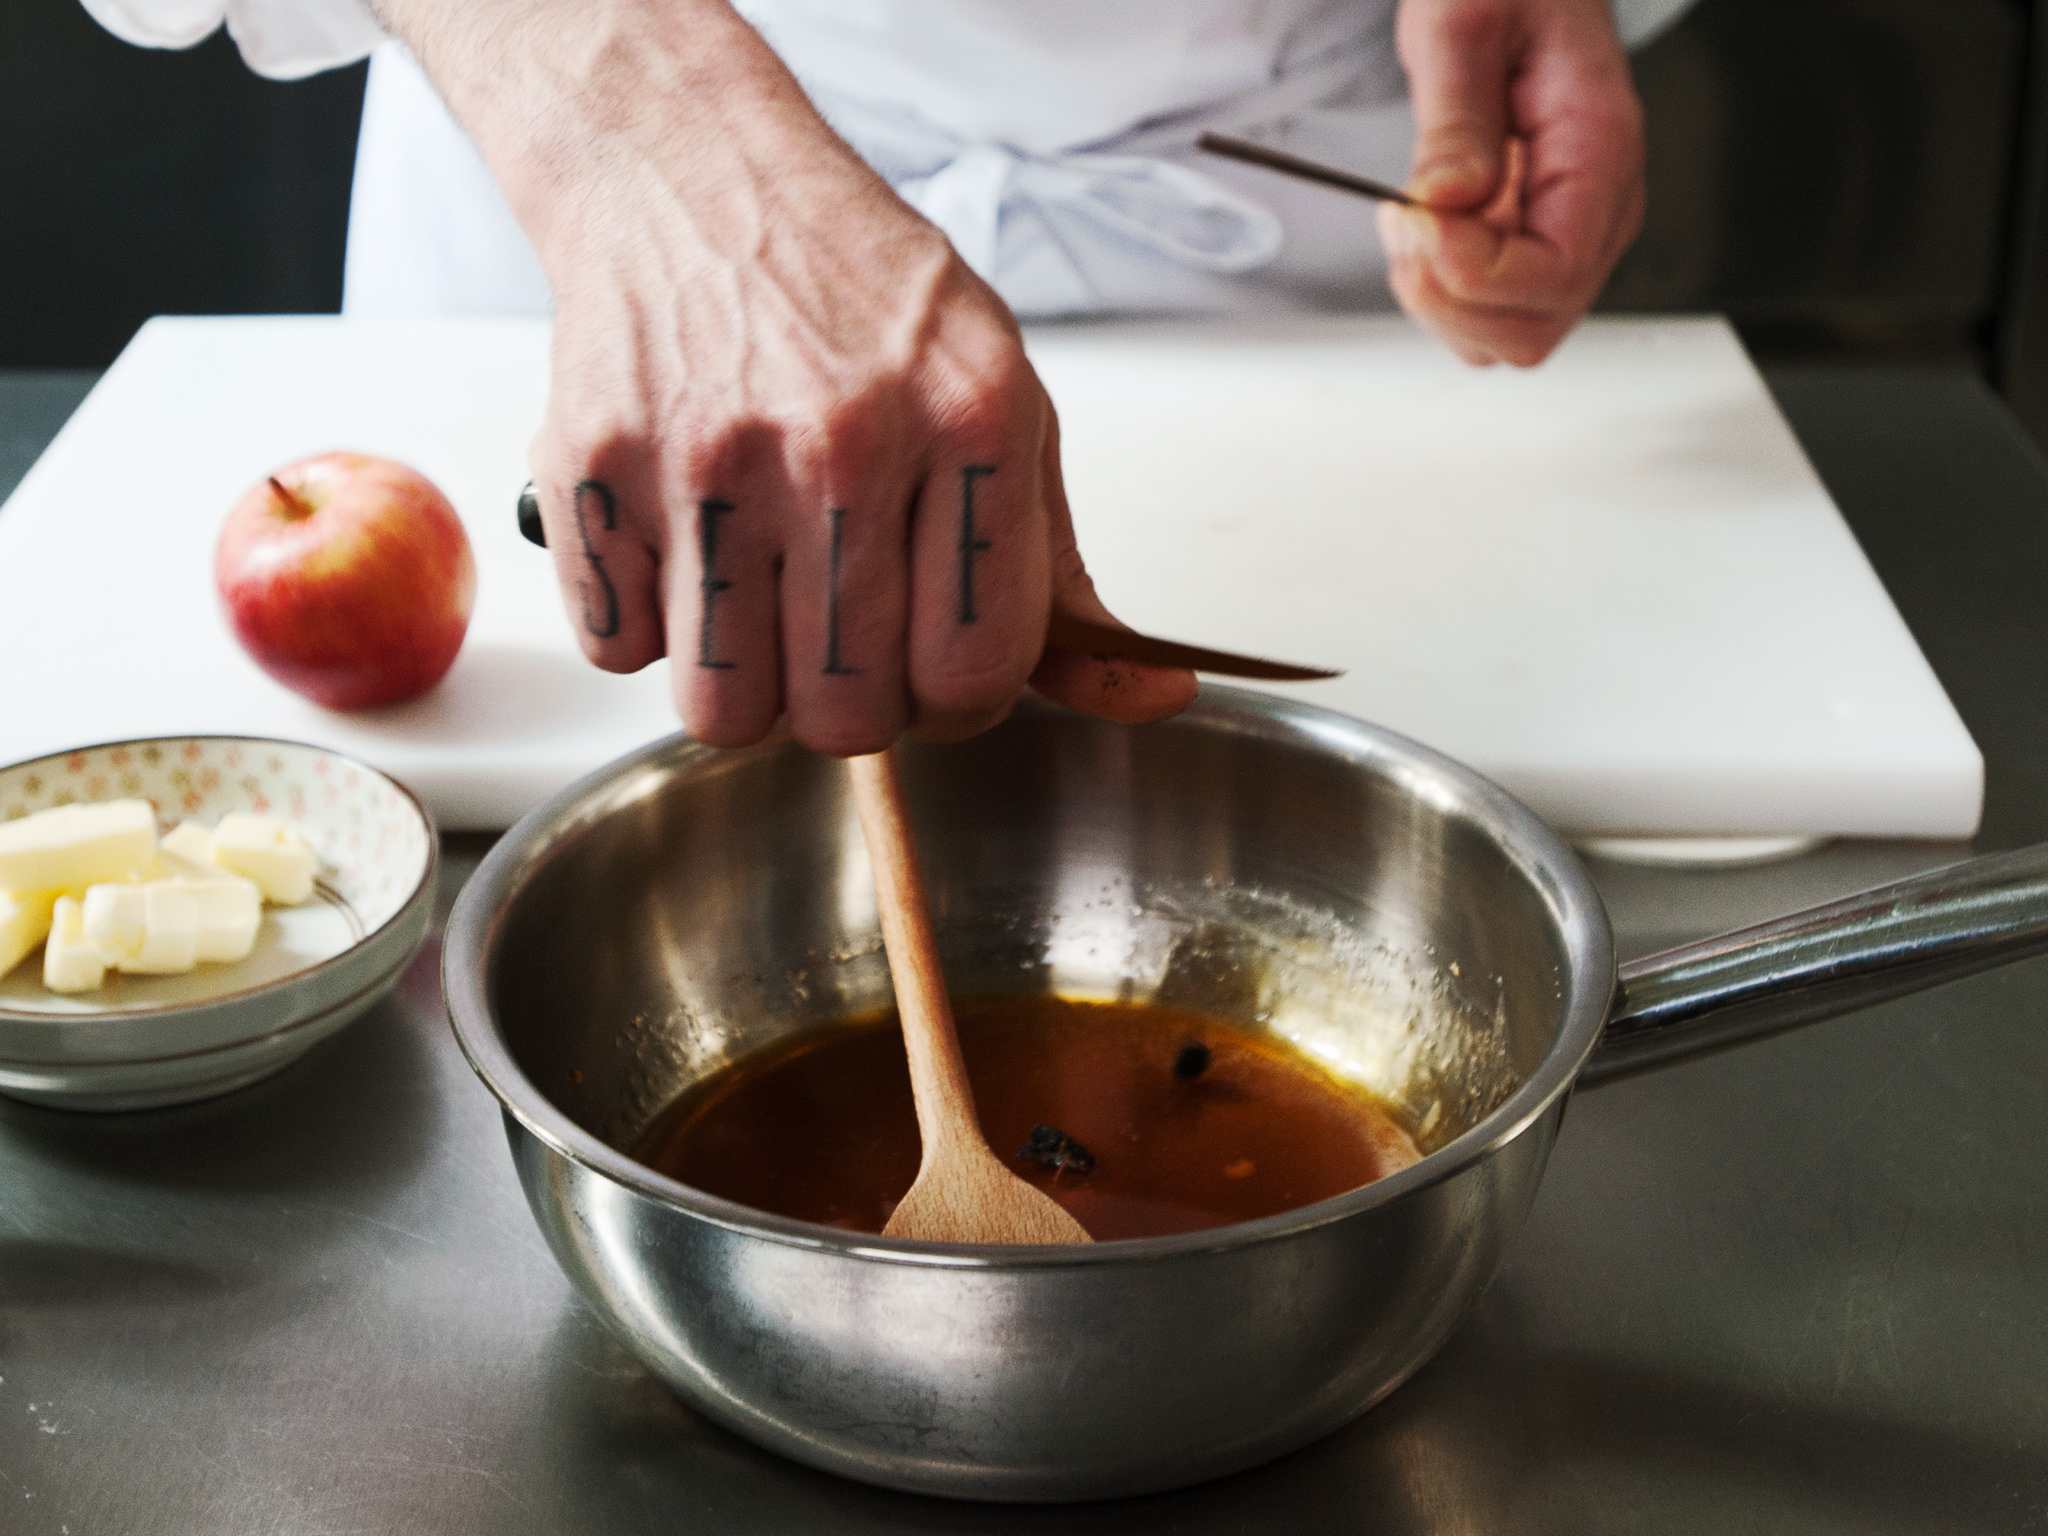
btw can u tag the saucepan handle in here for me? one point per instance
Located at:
(1812, 965)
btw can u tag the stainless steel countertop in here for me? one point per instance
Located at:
(1801, 1287)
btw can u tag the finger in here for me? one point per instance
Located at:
(1576, 103)
(1456, 56)
(1577, 218)
(1409, 244)
(1576, 107)
(1124, 691)
(1513, 295)
(1487, 259)
(1482, 334)
(1480, 266)
(721, 599)
(595, 508)
(845, 601)
(980, 587)
(1504, 213)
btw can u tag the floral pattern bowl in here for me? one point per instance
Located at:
(144, 1041)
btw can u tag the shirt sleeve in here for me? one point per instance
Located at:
(1638, 21)
(281, 39)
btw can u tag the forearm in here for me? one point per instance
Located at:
(781, 406)
(682, 96)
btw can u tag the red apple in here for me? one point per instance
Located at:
(348, 579)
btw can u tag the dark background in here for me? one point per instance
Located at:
(138, 181)
(1849, 179)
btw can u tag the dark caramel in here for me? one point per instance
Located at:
(1140, 1120)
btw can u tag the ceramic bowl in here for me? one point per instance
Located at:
(144, 1041)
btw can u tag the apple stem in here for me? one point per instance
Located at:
(298, 508)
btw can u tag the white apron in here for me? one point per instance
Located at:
(1052, 140)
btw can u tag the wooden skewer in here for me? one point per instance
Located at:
(1307, 170)
(962, 1193)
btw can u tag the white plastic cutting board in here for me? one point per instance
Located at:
(1612, 583)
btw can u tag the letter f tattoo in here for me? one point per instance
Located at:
(971, 547)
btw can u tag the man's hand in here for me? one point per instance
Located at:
(1529, 157)
(792, 441)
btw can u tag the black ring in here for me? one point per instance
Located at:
(529, 517)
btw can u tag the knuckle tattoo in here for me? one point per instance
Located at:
(600, 597)
(709, 583)
(972, 545)
(834, 666)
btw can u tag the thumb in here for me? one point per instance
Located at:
(1456, 55)
(1125, 691)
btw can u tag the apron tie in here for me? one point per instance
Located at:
(1169, 209)
(1032, 225)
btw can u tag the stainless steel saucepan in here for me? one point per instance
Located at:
(1270, 862)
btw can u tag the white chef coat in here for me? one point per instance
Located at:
(1052, 140)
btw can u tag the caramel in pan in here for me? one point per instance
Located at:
(1140, 1120)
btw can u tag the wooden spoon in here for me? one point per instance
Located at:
(962, 1193)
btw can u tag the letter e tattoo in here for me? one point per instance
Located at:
(711, 583)
(970, 546)
(608, 625)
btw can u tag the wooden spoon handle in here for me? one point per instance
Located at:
(938, 1077)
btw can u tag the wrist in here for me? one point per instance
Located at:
(568, 100)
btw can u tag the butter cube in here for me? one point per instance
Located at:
(115, 917)
(174, 862)
(230, 911)
(170, 931)
(267, 851)
(24, 922)
(151, 929)
(190, 841)
(71, 961)
(230, 906)
(70, 846)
